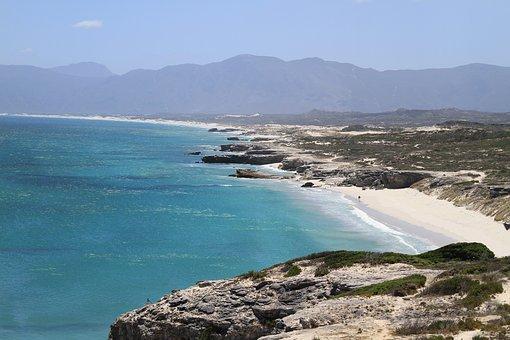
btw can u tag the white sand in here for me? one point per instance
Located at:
(438, 216)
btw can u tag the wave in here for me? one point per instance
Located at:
(130, 119)
(382, 227)
(335, 204)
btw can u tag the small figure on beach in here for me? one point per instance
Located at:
(359, 198)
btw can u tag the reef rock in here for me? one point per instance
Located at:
(244, 159)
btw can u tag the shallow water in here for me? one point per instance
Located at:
(98, 216)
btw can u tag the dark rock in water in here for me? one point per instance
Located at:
(250, 173)
(233, 138)
(234, 147)
(244, 159)
(223, 130)
(307, 185)
(499, 191)
(260, 152)
(292, 164)
(195, 153)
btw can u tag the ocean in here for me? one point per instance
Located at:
(98, 216)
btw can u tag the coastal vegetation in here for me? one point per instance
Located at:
(407, 285)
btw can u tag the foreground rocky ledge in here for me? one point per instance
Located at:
(360, 294)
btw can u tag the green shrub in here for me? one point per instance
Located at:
(321, 270)
(450, 253)
(463, 251)
(440, 326)
(398, 287)
(450, 286)
(293, 271)
(481, 292)
(479, 337)
(254, 275)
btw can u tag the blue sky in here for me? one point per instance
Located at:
(383, 34)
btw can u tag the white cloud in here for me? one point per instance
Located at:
(27, 50)
(88, 24)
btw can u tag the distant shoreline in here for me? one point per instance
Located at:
(132, 119)
(444, 223)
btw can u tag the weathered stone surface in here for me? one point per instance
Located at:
(244, 308)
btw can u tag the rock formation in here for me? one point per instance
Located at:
(244, 159)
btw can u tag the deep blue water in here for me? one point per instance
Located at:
(98, 216)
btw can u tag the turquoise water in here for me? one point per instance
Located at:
(98, 216)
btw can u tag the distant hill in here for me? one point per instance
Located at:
(249, 84)
(85, 69)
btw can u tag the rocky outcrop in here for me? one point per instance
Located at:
(250, 173)
(307, 185)
(233, 138)
(234, 147)
(383, 178)
(499, 191)
(248, 307)
(292, 164)
(351, 289)
(244, 159)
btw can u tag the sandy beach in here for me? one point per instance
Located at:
(434, 215)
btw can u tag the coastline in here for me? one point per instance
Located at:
(128, 119)
(439, 219)
(403, 210)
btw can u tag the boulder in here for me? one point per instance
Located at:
(292, 164)
(233, 138)
(495, 192)
(307, 185)
(269, 313)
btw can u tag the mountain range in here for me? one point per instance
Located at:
(248, 84)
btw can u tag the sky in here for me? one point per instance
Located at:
(129, 34)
